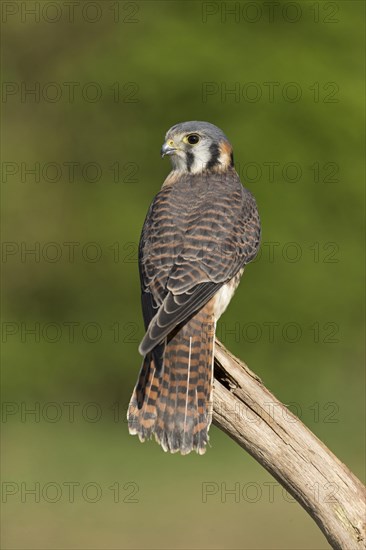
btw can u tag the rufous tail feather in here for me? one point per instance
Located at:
(174, 402)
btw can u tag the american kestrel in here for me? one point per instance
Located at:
(201, 230)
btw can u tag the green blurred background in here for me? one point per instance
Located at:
(137, 68)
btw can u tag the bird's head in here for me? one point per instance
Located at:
(197, 146)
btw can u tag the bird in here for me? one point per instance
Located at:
(201, 230)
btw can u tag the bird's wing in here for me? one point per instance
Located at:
(188, 252)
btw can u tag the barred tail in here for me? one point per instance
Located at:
(175, 404)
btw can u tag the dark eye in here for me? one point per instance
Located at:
(193, 139)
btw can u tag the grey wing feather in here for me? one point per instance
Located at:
(197, 235)
(174, 310)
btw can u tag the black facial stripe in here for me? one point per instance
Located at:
(215, 155)
(190, 160)
(232, 159)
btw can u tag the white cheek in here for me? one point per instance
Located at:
(179, 162)
(201, 159)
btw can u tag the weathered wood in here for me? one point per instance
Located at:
(245, 410)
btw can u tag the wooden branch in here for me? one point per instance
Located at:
(281, 443)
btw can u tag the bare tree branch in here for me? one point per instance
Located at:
(281, 443)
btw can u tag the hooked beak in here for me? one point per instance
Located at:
(168, 148)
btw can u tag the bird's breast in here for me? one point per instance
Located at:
(222, 298)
